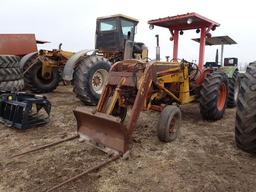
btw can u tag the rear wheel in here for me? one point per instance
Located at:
(213, 96)
(90, 77)
(36, 82)
(233, 87)
(245, 127)
(169, 123)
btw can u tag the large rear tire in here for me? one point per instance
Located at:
(213, 96)
(233, 87)
(11, 78)
(34, 80)
(90, 77)
(245, 127)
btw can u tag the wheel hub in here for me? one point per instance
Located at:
(99, 80)
(222, 97)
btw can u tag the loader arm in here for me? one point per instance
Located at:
(104, 129)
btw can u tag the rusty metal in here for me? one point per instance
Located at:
(134, 83)
(17, 44)
(144, 86)
(46, 146)
(105, 130)
(85, 172)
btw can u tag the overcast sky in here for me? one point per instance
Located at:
(72, 22)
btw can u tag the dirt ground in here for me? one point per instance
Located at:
(203, 158)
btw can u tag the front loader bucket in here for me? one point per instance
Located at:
(106, 131)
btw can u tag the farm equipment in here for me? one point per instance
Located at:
(22, 110)
(155, 85)
(18, 44)
(12, 47)
(245, 126)
(229, 66)
(42, 70)
(88, 69)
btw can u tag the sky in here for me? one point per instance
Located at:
(72, 22)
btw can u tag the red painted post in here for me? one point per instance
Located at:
(201, 49)
(175, 45)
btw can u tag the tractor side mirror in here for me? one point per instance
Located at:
(129, 35)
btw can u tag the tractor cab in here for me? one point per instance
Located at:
(113, 31)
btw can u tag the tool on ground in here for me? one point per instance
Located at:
(24, 110)
(115, 157)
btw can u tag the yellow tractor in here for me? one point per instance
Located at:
(157, 85)
(87, 69)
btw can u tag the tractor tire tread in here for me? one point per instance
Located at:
(82, 74)
(245, 125)
(209, 96)
(35, 86)
(231, 89)
(162, 129)
(16, 85)
(9, 61)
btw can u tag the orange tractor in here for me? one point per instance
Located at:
(157, 85)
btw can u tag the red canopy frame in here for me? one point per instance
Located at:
(187, 21)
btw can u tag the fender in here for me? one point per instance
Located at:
(25, 58)
(72, 61)
(229, 70)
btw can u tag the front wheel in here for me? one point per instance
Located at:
(169, 123)
(213, 96)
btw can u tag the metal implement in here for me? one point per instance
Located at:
(45, 146)
(23, 110)
(17, 44)
(137, 84)
(85, 172)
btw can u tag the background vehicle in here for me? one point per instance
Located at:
(227, 65)
(87, 69)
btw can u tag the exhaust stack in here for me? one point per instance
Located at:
(157, 48)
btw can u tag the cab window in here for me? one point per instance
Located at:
(108, 25)
(127, 26)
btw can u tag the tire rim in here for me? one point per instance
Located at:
(173, 126)
(222, 97)
(99, 80)
(42, 79)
